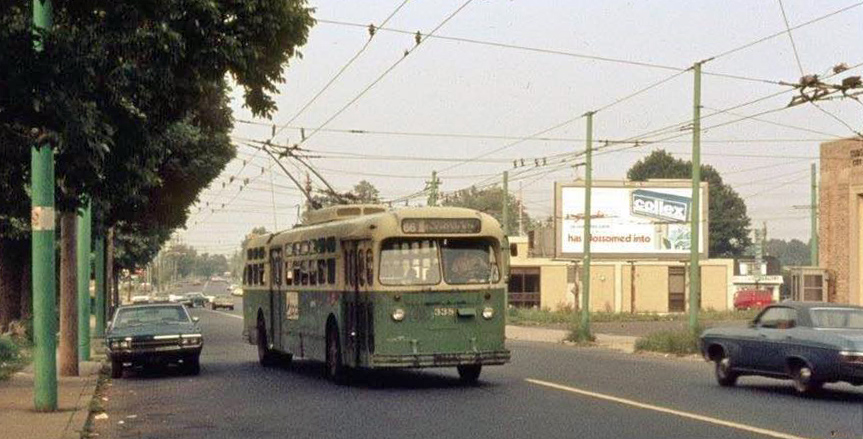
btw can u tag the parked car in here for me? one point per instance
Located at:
(811, 343)
(237, 292)
(752, 299)
(153, 335)
(226, 302)
(175, 298)
(195, 300)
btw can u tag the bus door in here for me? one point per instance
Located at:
(277, 301)
(350, 298)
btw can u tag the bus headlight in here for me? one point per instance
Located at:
(487, 313)
(398, 314)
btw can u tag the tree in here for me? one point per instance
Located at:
(132, 96)
(488, 201)
(362, 193)
(728, 222)
(789, 253)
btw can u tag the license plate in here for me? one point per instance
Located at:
(444, 312)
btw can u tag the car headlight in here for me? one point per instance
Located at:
(125, 344)
(487, 313)
(190, 340)
(398, 314)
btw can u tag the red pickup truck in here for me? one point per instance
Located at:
(752, 299)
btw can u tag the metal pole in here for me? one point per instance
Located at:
(813, 237)
(99, 274)
(584, 327)
(505, 204)
(44, 264)
(695, 237)
(85, 221)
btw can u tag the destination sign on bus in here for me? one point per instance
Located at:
(441, 225)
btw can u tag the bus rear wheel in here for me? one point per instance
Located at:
(335, 371)
(265, 356)
(469, 373)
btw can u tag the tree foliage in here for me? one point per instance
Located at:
(133, 98)
(362, 193)
(728, 221)
(488, 201)
(790, 253)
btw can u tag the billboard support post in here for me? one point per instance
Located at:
(584, 327)
(694, 256)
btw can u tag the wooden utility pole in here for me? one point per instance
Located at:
(68, 361)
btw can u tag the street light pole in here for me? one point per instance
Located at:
(584, 327)
(44, 262)
(83, 258)
(695, 239)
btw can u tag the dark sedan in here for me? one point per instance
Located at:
(155, 334)
(811, 343)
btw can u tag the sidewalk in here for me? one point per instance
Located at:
(18, 419)
(617, 342)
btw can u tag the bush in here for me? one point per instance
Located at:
(576, 335)
(12, 355)
(679, 342)
(539, 317)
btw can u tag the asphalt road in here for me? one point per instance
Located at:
(548, 391)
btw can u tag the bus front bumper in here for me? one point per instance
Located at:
(440, 360)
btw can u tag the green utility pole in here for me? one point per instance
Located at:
(433, 186)
(813, 240)
(44, 272)
(83, 256)
(584, 327)
(99, 274)
(695, 237)
(505, 204)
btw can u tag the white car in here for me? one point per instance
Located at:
(237, 292)
(140, 299)
(174, 298)
(210, 299)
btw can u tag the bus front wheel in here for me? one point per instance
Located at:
(469, 373)
(335, 371)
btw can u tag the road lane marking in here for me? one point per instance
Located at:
(223, 313)
(682, 414)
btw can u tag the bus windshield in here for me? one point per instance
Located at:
(418, 261)
(410, 262)
(468, 261)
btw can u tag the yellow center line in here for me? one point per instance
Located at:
(682, 414)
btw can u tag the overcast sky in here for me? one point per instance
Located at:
(456, 87)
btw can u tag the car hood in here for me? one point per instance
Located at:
(152, 330)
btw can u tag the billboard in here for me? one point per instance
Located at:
(629, 219)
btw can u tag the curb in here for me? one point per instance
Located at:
(77, 425)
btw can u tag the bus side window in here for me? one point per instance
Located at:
(313, 273)
(322, 272)
(304, 274)
(289, 274)
(370, 270)
(361, 267)
(296, 268)
(331, 271)
(261, 274)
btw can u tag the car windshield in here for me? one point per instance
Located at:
(837, 318)
(150, 315)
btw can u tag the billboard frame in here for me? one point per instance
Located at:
(626, 184)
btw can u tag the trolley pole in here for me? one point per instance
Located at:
(85, 220)
(505, 204)
(813, 240)
(44, 263)
(695, 238)
(99, 274)
(584, 327)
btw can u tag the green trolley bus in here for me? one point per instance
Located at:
(362, 286)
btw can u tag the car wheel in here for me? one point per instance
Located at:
(335, 371)
(805, 382)
(725, 375)
(469, 373)
(116, 369)
(192, 365)
(265, 355)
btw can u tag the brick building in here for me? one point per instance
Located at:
(841, 218)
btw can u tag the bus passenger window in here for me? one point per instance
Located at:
(331, 271)
(370, 270)
(296, 268)
(313, 273)
(289, 274)
(322, 272)
(361, 267)
(261, 274)
(246, 275)
(304, 274)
